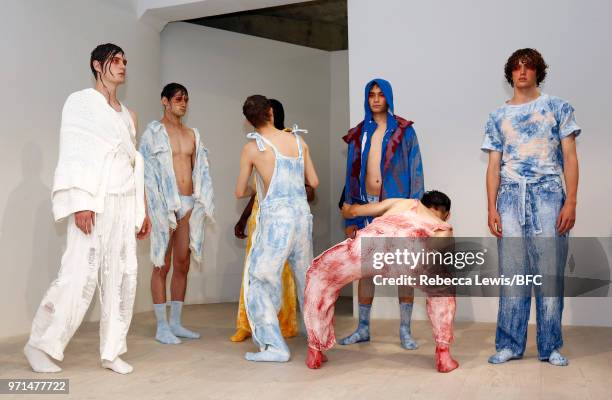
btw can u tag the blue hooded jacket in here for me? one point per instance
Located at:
(400, 165)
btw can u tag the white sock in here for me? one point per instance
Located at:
(118, 365)
(39, 360)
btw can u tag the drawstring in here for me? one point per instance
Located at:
(526, 199)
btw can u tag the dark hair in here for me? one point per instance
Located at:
(103, 53)
(279, 114)
(171, 89)
(255, 109)
(531, 58)
(437, 200)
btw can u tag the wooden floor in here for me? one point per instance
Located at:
(214, 368)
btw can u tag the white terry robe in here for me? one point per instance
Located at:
(100, 170)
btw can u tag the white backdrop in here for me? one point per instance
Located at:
(445, 61)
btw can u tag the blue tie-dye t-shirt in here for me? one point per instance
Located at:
(529, 136)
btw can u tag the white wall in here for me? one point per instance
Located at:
(46, 57)
(220, 69)
(339, 126)
(445, 61)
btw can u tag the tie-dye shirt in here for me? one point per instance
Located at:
(529, 136)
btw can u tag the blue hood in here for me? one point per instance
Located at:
(385, 86)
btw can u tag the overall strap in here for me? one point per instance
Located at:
(261, 141)
(296, 131)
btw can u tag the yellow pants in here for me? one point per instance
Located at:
(287, 316)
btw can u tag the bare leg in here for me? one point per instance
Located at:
(158, 277)
(365, 292)
(158, 291)
(181, 257)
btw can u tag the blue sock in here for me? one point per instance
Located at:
(502, 356)
(557, 359)
(163, 335)
(177, 329)
(362, 334)
(405, 334)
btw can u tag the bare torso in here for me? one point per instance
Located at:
(373, 173)
(404, 205)
(183, 144)
(264, 161)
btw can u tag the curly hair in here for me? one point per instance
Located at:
(255, 109)
(531, 58)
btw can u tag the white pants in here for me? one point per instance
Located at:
(109, 250)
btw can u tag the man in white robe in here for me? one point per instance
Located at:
(99, 187)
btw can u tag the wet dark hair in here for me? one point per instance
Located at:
(255, 109)
(531, 58)
(279, 114)
(171, 89)
(437, 200)
(103, 53)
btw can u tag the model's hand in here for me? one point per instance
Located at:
(145, 230)
(495, 223)
(567, 218)
(310, 194)
(85, 221)
(239, 229)
(350, 231)
(348, 211)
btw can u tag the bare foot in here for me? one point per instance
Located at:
(315, 358)
(240, 335)
(444, 360)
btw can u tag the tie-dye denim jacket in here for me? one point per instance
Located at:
(163, 196)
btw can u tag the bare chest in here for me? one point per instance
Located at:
(182, 142)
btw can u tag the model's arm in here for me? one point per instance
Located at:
(134, 120)
(310, 193)
(567, 216)
(368, 210)
(311, 177)
(493, 169)
(194, 154)
(145, 230)
(246, 168)
(147, 225)
(240, 226)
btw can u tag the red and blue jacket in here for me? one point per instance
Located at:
(400, 165)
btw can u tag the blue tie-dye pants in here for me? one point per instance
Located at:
(531, 245)
(283, 233)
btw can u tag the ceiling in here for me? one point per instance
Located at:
(320, 24)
